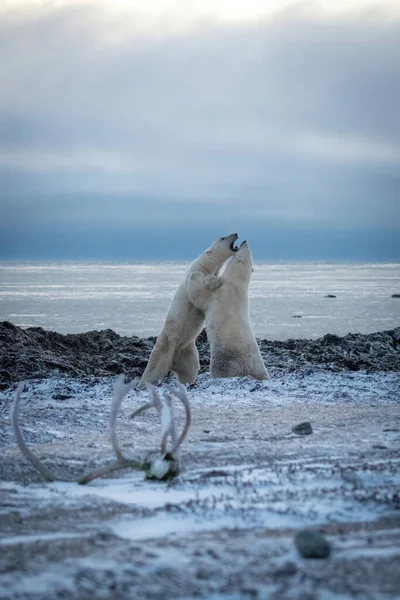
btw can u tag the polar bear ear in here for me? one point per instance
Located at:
(240, 259)
(208, 252)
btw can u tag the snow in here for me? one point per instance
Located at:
(247, 485)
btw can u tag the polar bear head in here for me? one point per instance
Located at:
(240, 267)
(224, 247)
(212, 259)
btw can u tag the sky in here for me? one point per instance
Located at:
(134, 130)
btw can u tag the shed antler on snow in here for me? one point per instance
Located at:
(164, 465)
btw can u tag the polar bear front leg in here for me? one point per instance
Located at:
(211, 282)
(200, 287)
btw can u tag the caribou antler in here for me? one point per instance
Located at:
(180, 393)
(164, 467)
(167, 466)
(39, 466)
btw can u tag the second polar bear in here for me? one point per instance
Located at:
(224, 300)
(175, 349)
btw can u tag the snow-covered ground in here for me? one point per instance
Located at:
(225, 527)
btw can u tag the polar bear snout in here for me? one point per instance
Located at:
(231, 239)
(232, 246)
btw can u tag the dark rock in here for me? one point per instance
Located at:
(312, 544)
(330, 338)
(61, 397)
(352, 365)
(395, 296)
(256, 388)
(303, 428)
(37, 353)
(330, 296)
(297, 316)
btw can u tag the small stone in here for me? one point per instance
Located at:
(395, 295)
(297, 316)
(255, 388)
(303, 428)
(61, 396)
(330, 296)
(311, 544)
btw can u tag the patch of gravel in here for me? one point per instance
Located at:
(36, 353)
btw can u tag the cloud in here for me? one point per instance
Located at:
(292, 119)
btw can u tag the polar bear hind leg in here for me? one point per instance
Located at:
(160, 362)
(228, 363)
(186, 364)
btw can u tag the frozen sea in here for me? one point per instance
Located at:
(286, 300)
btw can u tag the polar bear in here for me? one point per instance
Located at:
(224, 300)
(175, 349)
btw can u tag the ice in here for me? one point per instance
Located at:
(77, 297)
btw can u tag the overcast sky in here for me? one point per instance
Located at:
(142, 130)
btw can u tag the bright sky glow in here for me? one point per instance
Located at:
(220, 10)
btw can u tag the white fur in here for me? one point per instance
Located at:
(175, 349)
(224, 300)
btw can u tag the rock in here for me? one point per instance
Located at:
(297, 316)
(330, 296)
(330, 338)
(303, 428)
(256, 388)
(311, 544)
(395, 296)
(37, 353)
(61, 397)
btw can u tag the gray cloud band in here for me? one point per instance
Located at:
(295, 116)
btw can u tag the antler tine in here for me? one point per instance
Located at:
(35, 462)
(167, 421)
(180, 393)
(154, 401)
(121, 389)
(155, 398)
(122, 463)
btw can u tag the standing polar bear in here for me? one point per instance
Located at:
(175, 349)
(224, 300)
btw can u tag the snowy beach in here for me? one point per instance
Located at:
(225, 527)
(220, 176)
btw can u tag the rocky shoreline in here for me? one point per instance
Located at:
(36, 353)
(315, 448)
